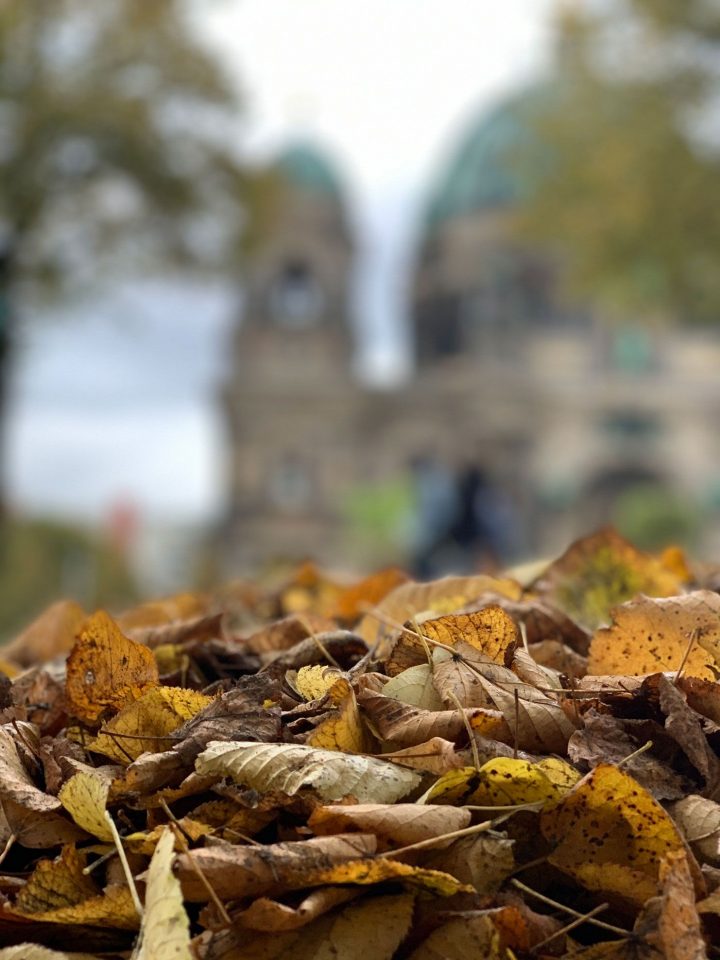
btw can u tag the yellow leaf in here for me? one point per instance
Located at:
(146, 842)
(171, 658)
(344, 730)
(84, 796)
(611, 835)
(312, 683)
(652, 635)
(139, 727)
(59, 892)
(452, 787)
(357, 598)
(365, 872)
(165, 931)
(106, 670)
(505, 781)
(491, 631)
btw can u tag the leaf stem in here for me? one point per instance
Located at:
(125, 865)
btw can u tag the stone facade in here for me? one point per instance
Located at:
(565, 411)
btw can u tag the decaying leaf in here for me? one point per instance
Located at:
(59, 892)
(611, 835)
(651, 635)
(237, 872)
(287, 769)
(165, 930)
(504, 781)
(106, 670)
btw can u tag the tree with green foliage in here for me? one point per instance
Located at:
(626, 187)
(117, 149)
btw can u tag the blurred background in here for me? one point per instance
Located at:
(431, 282)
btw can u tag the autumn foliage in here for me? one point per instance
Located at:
(516, 766)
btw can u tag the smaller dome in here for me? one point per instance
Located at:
(306, 167)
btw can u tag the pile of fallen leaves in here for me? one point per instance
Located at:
(515, 766)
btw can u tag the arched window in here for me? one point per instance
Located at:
(296, 298)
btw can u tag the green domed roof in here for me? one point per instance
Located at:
(485, 172)
(305, 167)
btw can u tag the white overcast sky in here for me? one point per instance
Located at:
(117, 402)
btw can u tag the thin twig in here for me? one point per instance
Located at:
(561, 906)
(125, 865)
(570, 926)
(8, 846)
(635, 753)
(180, 837)
(453, 835)
(100, 861)
(312, 634)
(690, 644)
(516, 732)
(468, 728)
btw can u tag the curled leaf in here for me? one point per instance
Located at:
(165, 931)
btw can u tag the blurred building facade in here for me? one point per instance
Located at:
(567, 412)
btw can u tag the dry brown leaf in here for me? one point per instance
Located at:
(270, 916)
(435, 756)
(402, 725)
(474, 935)
(598, 572)
(106, 670)
(671, 924)
(542, 723)
(16, 784)
(490, 631)
(289, 768)
(51, 634)
(237, 872)
(399, 823)
(373, 928)
(481, 861)
(284, 634)
(652, 635)
(699, 820)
